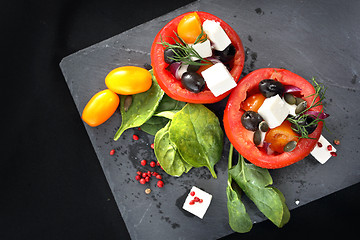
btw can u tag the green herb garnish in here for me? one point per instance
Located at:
(184, 52)
(299, 122)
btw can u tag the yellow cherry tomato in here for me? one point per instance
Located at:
(128, 80)
(189, 27)
(100, 107)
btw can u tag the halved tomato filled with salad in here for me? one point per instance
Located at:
(274, 117)
(190, 51)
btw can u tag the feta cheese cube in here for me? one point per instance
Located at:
(216, 34)
(218, 79)
(291, 108)
(203, 49)
(198, 208)
(322, 154)
(274, 111)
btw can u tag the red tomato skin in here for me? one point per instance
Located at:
(168, 82)
(242, 139)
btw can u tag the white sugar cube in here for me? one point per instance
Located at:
(198, 208)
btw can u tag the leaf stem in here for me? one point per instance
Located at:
(231, 151)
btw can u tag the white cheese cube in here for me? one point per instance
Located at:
(198, 208)
(216, 34)
(203, 49)
(321, 151)
(274, 111)
(218, 79)
(291, 108)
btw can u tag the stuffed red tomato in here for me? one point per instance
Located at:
(169, 34)
(244, 140)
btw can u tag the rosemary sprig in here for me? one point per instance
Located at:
(184, 52)
(299, 120)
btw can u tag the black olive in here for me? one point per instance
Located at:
(270, 87)
(193, 68)
(251, 120)
(304, 122)
(193, 82)
(169, 53)
(227, 54)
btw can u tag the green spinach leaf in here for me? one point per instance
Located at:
(239, 220)
(197, 134)
(255, 182)
(163, 113)
(142, 108)
(167, 155)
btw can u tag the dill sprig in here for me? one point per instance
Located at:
(299, 121)
(184, 52)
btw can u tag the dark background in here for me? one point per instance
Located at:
(51, 183)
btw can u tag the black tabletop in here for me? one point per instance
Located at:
(52, 185)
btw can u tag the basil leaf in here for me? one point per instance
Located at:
(255, 181)
(239, 220)
(167, 155)
(141, 109)
(197, 134)
(162, 115)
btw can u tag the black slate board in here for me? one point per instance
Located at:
(308, 38)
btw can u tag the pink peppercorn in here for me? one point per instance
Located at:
(152, 164)
(160, 184)
(135, 137)
(143, 162)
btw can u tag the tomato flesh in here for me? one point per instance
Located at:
(280, 136)
(253, 103)
(169, 83)
(242, 139)
(189, 27)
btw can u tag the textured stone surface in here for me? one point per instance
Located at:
(312, 39)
